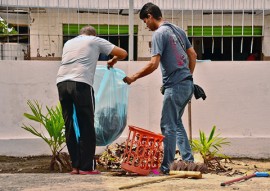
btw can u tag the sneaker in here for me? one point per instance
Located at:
(89, 172)
(164, 171)
(74, 171)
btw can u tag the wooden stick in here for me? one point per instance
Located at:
(180, 174)
(237, 179)
(186, 174)
(189, 121)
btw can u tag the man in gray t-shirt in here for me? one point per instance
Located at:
(75, 87)
(172, 49)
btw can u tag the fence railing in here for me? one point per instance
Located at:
(218, 29)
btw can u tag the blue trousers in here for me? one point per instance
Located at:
(174, 103)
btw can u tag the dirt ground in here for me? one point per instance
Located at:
(40, 164)
(32, 174)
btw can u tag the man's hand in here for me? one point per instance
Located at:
(111, 62)
(129, 80)
(146, 70)
(118, 54)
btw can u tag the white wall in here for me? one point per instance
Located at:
(237, 103)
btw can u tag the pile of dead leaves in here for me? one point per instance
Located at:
(111, 158)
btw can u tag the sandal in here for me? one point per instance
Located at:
(74, 171)
(89, 172)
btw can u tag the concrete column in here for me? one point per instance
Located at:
(266, 39)
(131, 30)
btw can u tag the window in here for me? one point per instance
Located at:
(116, 34)
(226, 43)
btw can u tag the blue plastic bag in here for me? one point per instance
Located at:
(111, 99)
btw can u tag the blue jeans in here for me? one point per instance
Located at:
(174, 103)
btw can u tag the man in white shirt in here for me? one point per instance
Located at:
(75, 87)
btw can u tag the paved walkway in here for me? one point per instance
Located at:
(104, 182)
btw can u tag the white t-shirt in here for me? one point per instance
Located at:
(80, 56)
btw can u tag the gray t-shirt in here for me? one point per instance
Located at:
(173, 58)
(80, 56)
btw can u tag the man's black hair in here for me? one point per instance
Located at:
(150, 8)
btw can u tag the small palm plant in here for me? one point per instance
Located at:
(209, 148)
(54, 125)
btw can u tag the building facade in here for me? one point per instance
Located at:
(219, 30)
(237, 91)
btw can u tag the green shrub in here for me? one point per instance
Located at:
(210, 147)
(54, 125)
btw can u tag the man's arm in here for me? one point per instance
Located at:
(192, 59)
(148, 69)
(118, 54)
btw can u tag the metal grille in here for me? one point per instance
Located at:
(38, 29)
